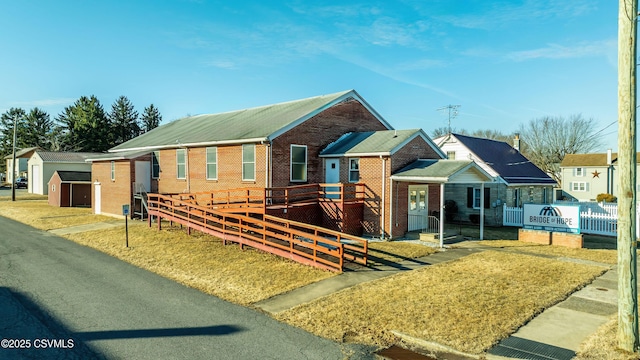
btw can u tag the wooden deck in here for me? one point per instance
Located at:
(239, 216)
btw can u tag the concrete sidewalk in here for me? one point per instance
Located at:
(558, 332)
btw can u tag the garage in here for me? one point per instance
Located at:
(70, 189)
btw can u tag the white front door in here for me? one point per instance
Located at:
(35, 183)
(143, 174)
(418, 207)
(332, 176)
(98, 198)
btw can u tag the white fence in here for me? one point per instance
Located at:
(595, 218)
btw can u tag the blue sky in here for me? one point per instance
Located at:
(503, 62)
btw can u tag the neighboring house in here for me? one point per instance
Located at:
(70, 188)
(584, 176)
(517, 180)
(22, 158)
(42, 164)
(336, 138)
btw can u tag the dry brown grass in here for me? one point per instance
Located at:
(468, 304)
(41, 215)
(203, 262)
(597, 255)
(603, 345)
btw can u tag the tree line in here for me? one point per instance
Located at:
(84, 126)
(545, 141)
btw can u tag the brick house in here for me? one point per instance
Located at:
(516, 179)
(335, 138)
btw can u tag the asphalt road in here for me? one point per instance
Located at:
(60, 300)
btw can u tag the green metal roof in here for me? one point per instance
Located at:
(439, 171)
(248, 125)
(384, 142)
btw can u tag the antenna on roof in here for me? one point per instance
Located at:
(453, 112)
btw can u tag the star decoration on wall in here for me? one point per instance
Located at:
(596, 174)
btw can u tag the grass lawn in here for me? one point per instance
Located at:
(39, 214)
(468, 304)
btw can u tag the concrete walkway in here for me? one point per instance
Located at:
(558, 332)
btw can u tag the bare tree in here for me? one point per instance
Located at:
(549, 139)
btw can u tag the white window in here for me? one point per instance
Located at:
(476, 198)
(298, 163)
(212, 163)
(579, 172)
(354, 170)
(248, 162)
(155, 164)
(181, 163)
(451, 155)
(579, 186)
(113, 171)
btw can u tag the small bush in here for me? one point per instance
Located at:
(606, 198)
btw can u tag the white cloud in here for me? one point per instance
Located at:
(557, 51)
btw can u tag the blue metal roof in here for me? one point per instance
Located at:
(508, 162)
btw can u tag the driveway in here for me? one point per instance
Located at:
(68, 301)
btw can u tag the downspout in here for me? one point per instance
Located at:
(384, 195)
(391, 209)
(187, 170)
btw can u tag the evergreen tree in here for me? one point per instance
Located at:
(38, 129)
(85, 126)
(6, 131)
(151, 118)
(124, 120)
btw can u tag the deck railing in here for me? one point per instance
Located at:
(304, 243)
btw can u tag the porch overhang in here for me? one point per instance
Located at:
(443, 172)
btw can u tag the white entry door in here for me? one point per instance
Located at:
(332, 176)
(35, 183)
(418, 207)
(143, 174)
(98, 198)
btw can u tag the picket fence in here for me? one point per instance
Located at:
(595, 218)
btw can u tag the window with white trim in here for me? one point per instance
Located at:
(298, 163)
(354, 170)
(579, 172)
(476, 198)
(212, 163)
(451, 155)
(248, 162)
(113, 170)
(155, 164)
(579, 186)
(181, 163)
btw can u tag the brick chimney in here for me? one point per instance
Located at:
(516, 141)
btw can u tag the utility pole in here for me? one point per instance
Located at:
(13, 162)
(627, 259)
(453, 112)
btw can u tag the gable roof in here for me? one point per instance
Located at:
(262, 123)
(599, 159)
(442, 171)
(375, 143)
(74, 176)
(64, 157)
(513, 167)
(22, 153)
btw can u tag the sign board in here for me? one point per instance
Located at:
(125, 209)
(558, 218)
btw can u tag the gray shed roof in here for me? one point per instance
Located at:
(65, 157)
(439, 171)
(75, 176)
(248, 125)
(372, 143)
